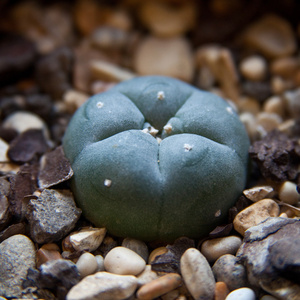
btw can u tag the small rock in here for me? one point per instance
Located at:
(104, 286)
(288, 193)
(73, 100)
(43, 255)
(268, 121)
(197, 274)
(46, 226)
(254, 214)
(170, 57)
(242, 293)
(285, 67)
(156, 252)
(22, 121)
(106, 71)
(3, 151)
(254, 67)
(159, 286)
(214, 248)
(292, 102)
(87, 264)
(17, 255)
(166, 20)
(146, 276)
(123, 261)
(221, 290)
(228, 269)
(275, 104)
(272, 36)
(59, 275)
(86, 239)
(137, 246)
(260, 90)
(100, 263)
(258, 192)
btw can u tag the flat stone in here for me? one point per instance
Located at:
(258, 192)
(166, 20)
(197, 274)
(17, 255)
(86, 239)
(159, 286)
(47, 226)
(254, 214)
(123, 261)
(169, 56)
(214, 248)
(272, 36)
(228, 269)
(103, 286)
(265, 267)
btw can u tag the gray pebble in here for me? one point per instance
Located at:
(228, 270)
(137, 246)
(52, 216)
(17, 255)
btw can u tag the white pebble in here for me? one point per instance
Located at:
(241, 294)
(197, 274)
(215, 248)
(87, 264)
(123, 261)
(288, 193)
(100, 263)
(254, 67)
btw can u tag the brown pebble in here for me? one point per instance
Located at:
(221, 290)
(43, 255)
(159, 286)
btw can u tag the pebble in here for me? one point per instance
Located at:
(285, 66)
(242, 293)
(3, 151)
(214, 248)
(292, 102)
(288, 193)
(22, 121)
(249, 121)
(268, 297)
(258, 192)
(107, 71)
(254, 67)
(17, 255)
(100, 263)
(169, 56)
(159, 286)
(146, 276)
(268, 121)
(228, 269)
(272, 36)
(46, 226)
(73, 100)
(166, 20)
(103, 286)
(275, 104)
(86, 239)
(137, 246)
(197, 274)
(156, 252)
(87, 264)
(43, 255)
(123, 261)
(221, 290)
(248, 105)
(254, 214)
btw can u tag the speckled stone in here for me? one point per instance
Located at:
(17, 255)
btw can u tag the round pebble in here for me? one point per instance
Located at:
(197, 274)
(255, 214)
(123, 261)
(227, 269)
(254, 67)
(87, 264)
(288, 193)
(242, 293)
(169, 57)
(137, 246)
(213, 249)
(159, 286)
(275, 105)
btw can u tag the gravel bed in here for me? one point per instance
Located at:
(55, 54)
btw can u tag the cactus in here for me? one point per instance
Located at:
(155, 158)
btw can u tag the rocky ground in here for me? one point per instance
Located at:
(54, 55)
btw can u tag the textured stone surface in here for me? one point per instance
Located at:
(103, 286)
(52, 215)
(17, 255)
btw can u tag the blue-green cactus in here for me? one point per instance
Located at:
(140, 186)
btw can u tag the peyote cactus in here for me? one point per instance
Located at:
(141, 186)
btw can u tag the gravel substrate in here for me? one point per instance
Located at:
(55, 54)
